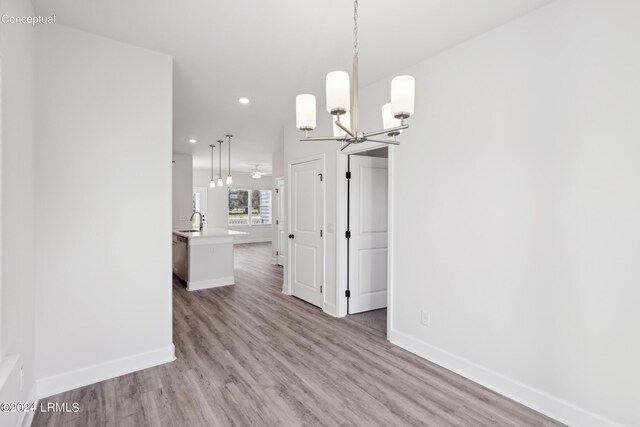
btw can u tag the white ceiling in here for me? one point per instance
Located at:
(272, 50)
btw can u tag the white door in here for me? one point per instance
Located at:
(282, 237)
(368, 200)
(305, 248)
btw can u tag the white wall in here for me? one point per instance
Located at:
(104, 209)
(218, 204)
(17, 311)
(521, 238)
(182, 193)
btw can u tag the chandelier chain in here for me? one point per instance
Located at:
(355, 27)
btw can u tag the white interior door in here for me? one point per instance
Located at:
(306, 218)
(281, 235)
(369, 241)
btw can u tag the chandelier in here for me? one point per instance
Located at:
(346, 125)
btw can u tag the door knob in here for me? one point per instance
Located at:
(291, 236)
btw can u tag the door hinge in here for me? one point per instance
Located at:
(347, 293)
(320, 175)
(320, 233)
(320, 288)
(349, 175)
(277, 221)
(277, 253)
(277, 191)
(347, 234)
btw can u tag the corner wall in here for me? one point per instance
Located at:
(17, 216)
(104, 209)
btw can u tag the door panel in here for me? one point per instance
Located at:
(368, 206)
(306, 201)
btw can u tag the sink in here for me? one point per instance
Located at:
(189, 231)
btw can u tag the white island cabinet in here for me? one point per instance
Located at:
(204, 259)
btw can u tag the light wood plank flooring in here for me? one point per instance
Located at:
(249, 355)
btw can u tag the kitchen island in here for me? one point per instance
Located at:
(204, 259)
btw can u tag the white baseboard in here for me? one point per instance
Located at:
(256, 240)
(330, 309)
(103, 371)
(213, 283)
(538, 400)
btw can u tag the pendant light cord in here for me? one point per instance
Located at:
(212, 162)
(355, 27)
(229, 136)
(220, 159)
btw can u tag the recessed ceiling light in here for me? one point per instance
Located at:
(193, 141)
(243, 100)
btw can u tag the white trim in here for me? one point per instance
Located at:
(252, 240)
(274, 260)
(538, 400)
(211, 283)
(103, 371)
(391, 153)
(330, 309)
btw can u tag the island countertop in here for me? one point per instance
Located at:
(208, 232)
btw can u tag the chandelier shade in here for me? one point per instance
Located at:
(403, 90)
(338, 92)
(388, 121)
(306, 112)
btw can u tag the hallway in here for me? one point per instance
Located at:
(249, 355)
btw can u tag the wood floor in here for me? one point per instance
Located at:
(249, 355)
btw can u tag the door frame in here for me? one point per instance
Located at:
(341, 227)
(204, 204)
(280, 201)
(287, 285)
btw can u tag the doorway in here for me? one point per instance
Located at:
(367, 225)
(199, 204)
(306, 222)
(371, 232)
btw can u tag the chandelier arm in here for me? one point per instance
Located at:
(346, 145)
(389, 141)
(383, 131)
(344, 128)
(323, 138)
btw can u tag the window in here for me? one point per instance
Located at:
(249, 206)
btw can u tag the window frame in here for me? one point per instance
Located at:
(250, 215)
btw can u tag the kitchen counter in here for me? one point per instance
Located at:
(208, 232)
(204, 259)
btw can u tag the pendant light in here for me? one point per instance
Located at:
(212, 183)
(229, 178)
(345, 106)
(220, 184)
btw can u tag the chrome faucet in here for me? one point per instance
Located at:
(201, 219)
